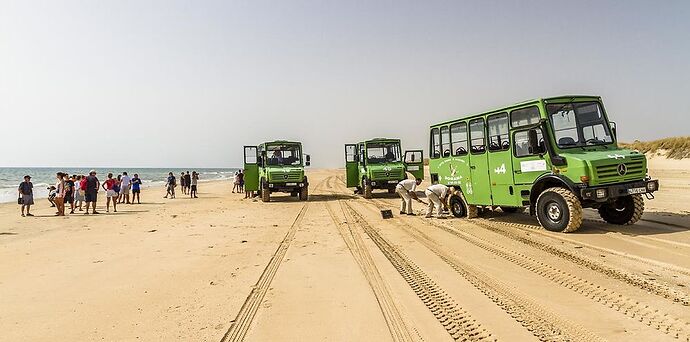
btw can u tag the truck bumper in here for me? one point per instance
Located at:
(384, 184)
(286, 187)
(604, 193)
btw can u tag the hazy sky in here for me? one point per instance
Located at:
(187, 83)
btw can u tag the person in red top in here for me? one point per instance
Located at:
(111, 195)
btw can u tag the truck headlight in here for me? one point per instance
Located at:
(301, 185)
(602, 193)
(651, 186)
(270, 185)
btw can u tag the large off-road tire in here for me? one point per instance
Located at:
(559, 210)
(512, 210)
(457, 206)
(265, 192)
(367, 188)
(624, 211)
(304, 193)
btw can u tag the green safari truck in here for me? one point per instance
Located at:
(276, 166)
(379, 164)
(553, 155)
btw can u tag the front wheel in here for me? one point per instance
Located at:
(559, 210)
(457, 207)
(265, 192)
(367, 188)
(624, 210)
(304, 193)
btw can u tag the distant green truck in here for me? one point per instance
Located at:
(276, 166)
(380, 164)
(553, 155)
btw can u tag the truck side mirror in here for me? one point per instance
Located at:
(533, 142)
(613, 130)
(307, 160)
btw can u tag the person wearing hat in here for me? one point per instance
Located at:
(91, 192)
(26, 195)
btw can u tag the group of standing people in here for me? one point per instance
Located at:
(77, 190)
(188, 183)
(238, 185)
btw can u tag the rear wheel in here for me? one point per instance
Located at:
(367, 188)
(559, 210)
(265, 193)
(624, 211)
(457, 206)
(304, 193)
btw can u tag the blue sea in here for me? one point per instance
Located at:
(44, 177)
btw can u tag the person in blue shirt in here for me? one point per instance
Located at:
(136, 188)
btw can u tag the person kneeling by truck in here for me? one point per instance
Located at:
(406, 189)
(437, 195)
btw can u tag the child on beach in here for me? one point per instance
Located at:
(52, 193)
(60, 196)
(79, 191)
(136, 189)
(236, 182)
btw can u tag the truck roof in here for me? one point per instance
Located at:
(380, 140)
(280, 142)
(519, 104)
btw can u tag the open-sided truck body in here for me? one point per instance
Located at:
(380, 164)
(276, 166)
(554, 155)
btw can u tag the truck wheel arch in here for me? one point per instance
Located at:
(549, 181)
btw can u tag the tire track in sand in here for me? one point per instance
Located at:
(662, 322)
(241, 323)
(543, 324)
(396, 324)
(456, 321)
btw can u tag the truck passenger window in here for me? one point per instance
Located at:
(445, 141)
(498, 132)
(477, 141)
(525, 117)
(521, 144)
(435, 144)
(458, 139)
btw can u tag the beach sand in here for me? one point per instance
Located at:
(332, 269)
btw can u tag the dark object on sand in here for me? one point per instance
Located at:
(387, 214)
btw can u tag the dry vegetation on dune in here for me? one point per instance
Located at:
(674, 148)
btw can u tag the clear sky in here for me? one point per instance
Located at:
(187, 83)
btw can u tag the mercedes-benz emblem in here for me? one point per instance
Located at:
(388, 174)
(286, 176)
(622, 169)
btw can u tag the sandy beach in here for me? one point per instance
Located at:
(222, 268)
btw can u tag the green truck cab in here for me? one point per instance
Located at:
(379, 164)
(276, 166)
(553, 155)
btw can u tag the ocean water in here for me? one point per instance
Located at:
(44, 177)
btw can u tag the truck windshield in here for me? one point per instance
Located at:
(579, 124)
(283, 155)
(378, 153)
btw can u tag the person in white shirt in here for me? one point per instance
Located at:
(437, 194)
(406, 189)
(124, 188)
